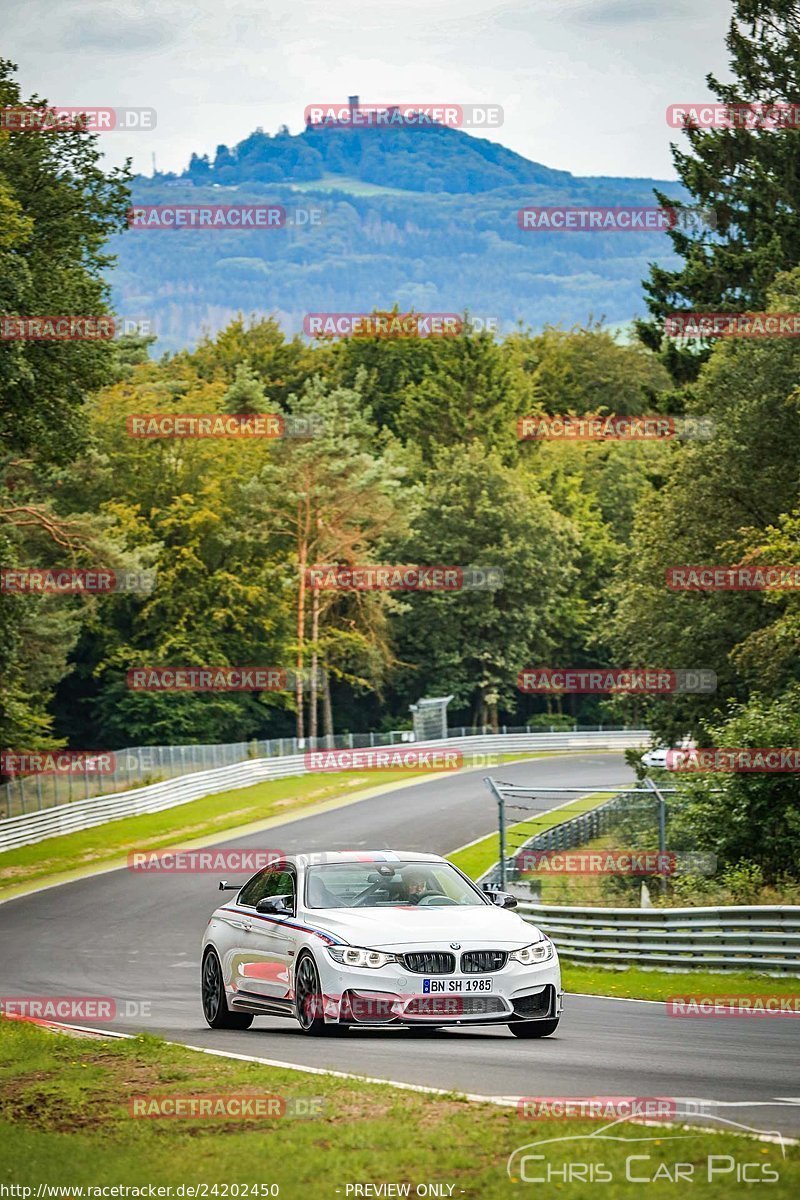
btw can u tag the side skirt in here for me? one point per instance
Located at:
(264, 1005)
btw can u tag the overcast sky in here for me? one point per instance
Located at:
(584, 83)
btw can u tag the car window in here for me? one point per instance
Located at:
(268, 883)
(379, 885)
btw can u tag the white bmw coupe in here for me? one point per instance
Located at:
(376, 938)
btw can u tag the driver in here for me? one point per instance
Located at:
(417, 885)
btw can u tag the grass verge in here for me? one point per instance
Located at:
(631, 983)
(199, 819)
(477, 858)
(66, 1121)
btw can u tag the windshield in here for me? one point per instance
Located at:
(380, 885)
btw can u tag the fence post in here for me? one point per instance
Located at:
(662, 828)
(501, 826)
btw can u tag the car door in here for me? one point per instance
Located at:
(268, 940)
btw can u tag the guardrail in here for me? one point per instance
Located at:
(761, 937)
(136, 766)
(84, 814)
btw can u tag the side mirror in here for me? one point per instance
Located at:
(279, 905)
(502, 899)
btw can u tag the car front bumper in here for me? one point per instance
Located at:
(391, 995)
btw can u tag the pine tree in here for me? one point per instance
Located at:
(749, 177)
(246, 393)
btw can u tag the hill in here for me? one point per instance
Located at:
(421, 217)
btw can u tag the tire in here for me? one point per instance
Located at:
(308, 999)
(215, 1002)
(534, 1029)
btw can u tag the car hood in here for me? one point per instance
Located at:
(485, 926)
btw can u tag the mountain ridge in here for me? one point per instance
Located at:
(423, 218)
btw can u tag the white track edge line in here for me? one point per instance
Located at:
(474, 1097)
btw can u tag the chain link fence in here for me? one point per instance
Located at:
(566, 835)
(137, 766)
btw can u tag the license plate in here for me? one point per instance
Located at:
(458, 987)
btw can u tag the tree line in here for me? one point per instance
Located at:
(417, 459)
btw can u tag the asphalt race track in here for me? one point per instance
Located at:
(136, 937)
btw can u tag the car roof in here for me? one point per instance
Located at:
(356, 856)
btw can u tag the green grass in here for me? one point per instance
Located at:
(474, 860)
(632, 982)
(638, 984)
(65, 1121)
(199, 819)
(175, 826)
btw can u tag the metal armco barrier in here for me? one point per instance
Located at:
(761, 937)
(138, 766)
(84, 814)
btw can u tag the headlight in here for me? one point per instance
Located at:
(356, 956)
(535, 953)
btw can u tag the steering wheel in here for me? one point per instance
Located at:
(436, 898)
